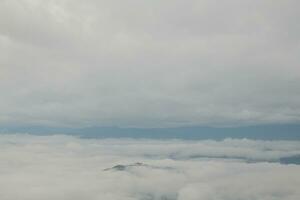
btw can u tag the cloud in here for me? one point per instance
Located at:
(66, 167)
(149, 64)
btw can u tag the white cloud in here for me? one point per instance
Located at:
(154, 64)
(65, 167)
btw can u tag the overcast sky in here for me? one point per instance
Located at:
(158, 63)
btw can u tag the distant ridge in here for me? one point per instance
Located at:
(263, 132)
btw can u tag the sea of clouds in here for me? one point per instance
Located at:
(64, 167)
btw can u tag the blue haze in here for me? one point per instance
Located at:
(262, 132)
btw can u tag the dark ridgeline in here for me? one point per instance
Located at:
(262, 132)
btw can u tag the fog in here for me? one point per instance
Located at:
(70, 168)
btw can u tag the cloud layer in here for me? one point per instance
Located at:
(65, 168)
(149, 63)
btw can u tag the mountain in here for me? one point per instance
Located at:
(264, 132)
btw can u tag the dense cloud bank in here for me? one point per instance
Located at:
(70, 168)
(149, 63)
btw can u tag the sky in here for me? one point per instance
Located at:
(70, 168)
(150, 64)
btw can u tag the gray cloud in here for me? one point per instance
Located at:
(65, 167)
(150, 64)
